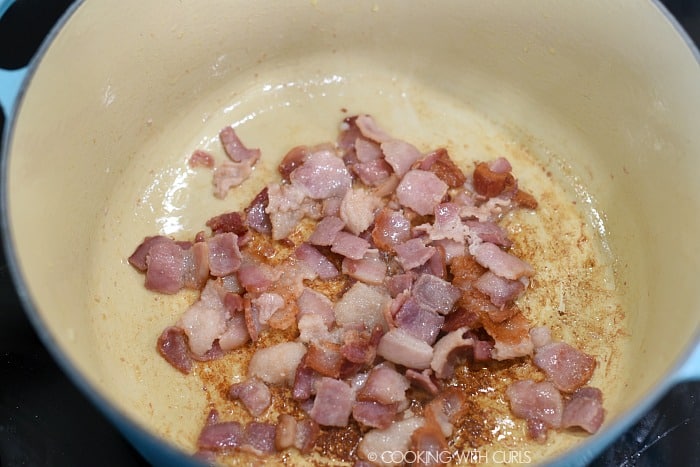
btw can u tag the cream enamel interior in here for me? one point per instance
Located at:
(605, 96)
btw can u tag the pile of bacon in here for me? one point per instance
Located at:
(430, 283)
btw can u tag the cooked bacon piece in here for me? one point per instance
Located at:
(324, 358)
(440, 164)
(373, 173)
(165, 265)
(294, 158)
(366, 150)
(538, 403)
(492, 182)
(400, 347)
(387, 187)
(446, 350)
(277, 364)
(304, 383)
(231, 174)
(421, 191)
(348, 135)
(436, 265)
(205, 320)
(447, 224)
(465, 271)
(391, 228)
(349, 245)
(384, 385)
(333, 402)
(488, 232)
(400, 155)
(314, 260)
(459, 318)
(254, 394)
(286, 206)
(138, 258)
(362, 306)
(223, 436)
(373, 414)
(326, 230)
(322, 175)
(370, 130)
(172, 346)
(512, 337)
(234, 148)
(256, 217)
(224, 255)
(423, 380)
(307, 433)
(399, 283)
(311, 302)
(500, 290)
(395, 438)
(584, 409)
(540, 336)
(371, 269)
(196, 266)
(236, 334)
(200, 158)
(419, 320)
(259, 438)
(502, 263)
(450, 249)
(413, 253)
(437, 294)
(568, 368)
(265, 305)
(524, 199)
(361, 346)
(357, 209)
(227, 222)
(429, 440)
(482, 349)
(256, 277)
(286, 431)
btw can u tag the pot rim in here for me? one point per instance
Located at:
(156, 449)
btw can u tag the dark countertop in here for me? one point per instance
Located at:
(46, 421)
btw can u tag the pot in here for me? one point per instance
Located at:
(118, 97)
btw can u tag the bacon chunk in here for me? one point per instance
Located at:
(286, 431)
(391, 228)
(333, 402)
(200, 158)
(371, 269)
(567, 367)
(357, 209)
(362, 306)
(373, 173)
(502, 263)
(326, 230)
(294, 158)
(231, 174)
(314, 260)
(400, 347)
(445, 350)
(224, 255)
(234, 148)
(277, 364)
(400, 155)
(223, 436)
(395, 438)
(349, 245)
(374, 414)
(227, 222)
(413, 253)
(421, 191)
(512, 337)
(322, 175)
(172, 346)
(500, 290)
(259, 438)
(254, 394)
(493, 182)
(256, 217)
(419, 320)
(384, 385)
(538, 403)
(584, 410)
(205, 320)
(370, 130)
(437, 294)
(440, 163)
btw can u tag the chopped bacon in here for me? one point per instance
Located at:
(440, 163)
(362, 306)
(294, 158)
(429, 440)
(234, 148)
(423, 380)
(277, 364)
(165, 265)
(373, 173)
(172, 346)
(286, 431)
(324, 358)
(357, 209)
(367, 150)
(370, 130)
(567, 367)
(333, 402)
(196, 266)
(459, 318)
(445, 349)
(222, 436)
(227, 222)
(500, 290)
(399, 283)
(256, 277)
(311, 302)
(524, 199)
(326, 230)
(465, 271)
(540, 336)
(400, 347)
(361, 346)
(286, 206)
(224, 255)
(322, 175)
(447, 224)
(371, 269)
(488, 232)
(314, 260)
(400, 155)
(306, 435)
(512, 337)
(231, 174)
(492, 183)
(259, 438)
(437, 294)
(419, 320)
(254, 394)
(236, 333)
(384, 385)
(502, 263)
(256, 217)
(584, 409)
(538, 403)
(201, 158)
(395, 438)
(413, 253)
(350, 246)
(304, 383)
(391, 228)
(374, 414)
(205, 320)
(421, 191)
(138, 258)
